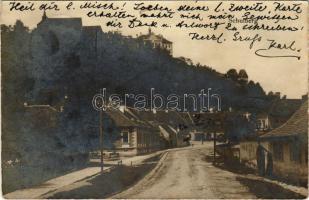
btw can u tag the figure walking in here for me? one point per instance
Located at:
(260, 159)
(269, 168)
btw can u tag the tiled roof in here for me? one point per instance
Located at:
(296, 125)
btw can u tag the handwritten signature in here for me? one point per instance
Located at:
(273, 45)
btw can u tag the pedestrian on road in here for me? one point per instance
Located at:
(260, 159)
(269, 168)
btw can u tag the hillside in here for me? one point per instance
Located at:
(57, 68)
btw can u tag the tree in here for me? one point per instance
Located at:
(232, 74)
(243, 76)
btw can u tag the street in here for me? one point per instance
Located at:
(189, 173)
(185, 173)
(182, 173)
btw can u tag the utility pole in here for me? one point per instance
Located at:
(101, 138)
(215, 141)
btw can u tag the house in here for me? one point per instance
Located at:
(263, 122)
(206, 125)
(145, 131)
(282, 109)
(276, 115)
(171, 121)
(247, 150)
(42, 117)
(170, 135)
(135, 136)
(288, 146)
(157, 41)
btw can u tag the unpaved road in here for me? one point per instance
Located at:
(186, 173)
(183, 173)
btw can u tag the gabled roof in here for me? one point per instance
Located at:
(296, 125)
(75, 23)
(42, 116)
(120, 119)
(167, 131)
(172, 118)
(188, 118)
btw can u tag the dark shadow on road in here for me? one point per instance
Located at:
(229, 165)
(235, 167)
(266, 190)
(107, 184)
(260, 188)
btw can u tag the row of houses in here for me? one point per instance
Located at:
(282, 152)
(278, 113)
(147, 131)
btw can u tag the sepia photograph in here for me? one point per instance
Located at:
(154, 99)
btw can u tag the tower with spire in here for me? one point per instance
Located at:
(44, 17)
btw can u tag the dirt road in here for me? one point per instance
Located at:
(186, 173)
(183, 173)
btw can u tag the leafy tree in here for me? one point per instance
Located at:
(232, 74)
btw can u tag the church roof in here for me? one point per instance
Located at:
(75, 23)
(67, 22)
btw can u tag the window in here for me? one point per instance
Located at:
(278, 151)
(125, 137)
(295, 152)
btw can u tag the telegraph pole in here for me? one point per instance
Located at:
(215, 140)
(101, 137)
